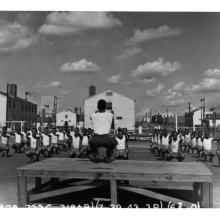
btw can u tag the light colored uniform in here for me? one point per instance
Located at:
(54, 139)
(45, 139)
(17, 138)
(33, 142)
(24, 136)
(85, 141)
(194, 142)
(4, 140)
(120, 143)
(187, 138)
(207, 144)
(199, 143)
(76, 142)
(60, 136)
(174, 146)
(165, 141)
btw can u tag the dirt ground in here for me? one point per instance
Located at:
(138, 150)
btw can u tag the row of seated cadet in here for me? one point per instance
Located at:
(175, 145)
(37, 143)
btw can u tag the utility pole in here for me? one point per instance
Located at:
(202, 112)
(189, 103)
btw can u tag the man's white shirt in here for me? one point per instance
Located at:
(101, 122)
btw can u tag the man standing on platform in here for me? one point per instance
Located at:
(102, 122)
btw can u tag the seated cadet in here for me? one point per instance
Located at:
(45, 140)
(84, 151)
(61, 144)
(102, 143)
(174, 149)
(193, 143)
(125, 133)
(187, 141)
(218, 151)
(67, 141)
(33, 151)
(121, 150)
(4, 142)
(208, 147)
(75, 144)
(180, 136)
(53, 142)
(199, 147)
(165, 143)
(24, 140)
(153, 143)
(159, 139)
(17, 146)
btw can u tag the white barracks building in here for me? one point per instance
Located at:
(123, 108)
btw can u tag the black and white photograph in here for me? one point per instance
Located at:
(109, 109)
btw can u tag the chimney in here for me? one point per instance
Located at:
(189, 106)
(92, 90)
(12, 90)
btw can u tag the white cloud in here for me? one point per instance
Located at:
(214, 73)
(61, 23)
(114, 79)
(152, 34)
(144, 81)
(80, 66)
(156, 68)
(155, 91)
(53, 84)
(179, 86)
(207, 85)
(176, 102)
(129, 52)
(14, 36)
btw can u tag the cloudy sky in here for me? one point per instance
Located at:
(162, 60)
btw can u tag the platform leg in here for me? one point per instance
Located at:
(22, 191)
(113, 186)
(207, 195)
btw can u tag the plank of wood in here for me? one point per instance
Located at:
(157, 196)
(62, 191)
(120, 169)
(162, 185)
(22, 191)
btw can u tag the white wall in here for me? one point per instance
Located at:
(3, 106)
(61, 119)
(121, 105)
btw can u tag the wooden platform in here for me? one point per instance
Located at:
(97, 173)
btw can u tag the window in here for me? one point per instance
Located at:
(109, 105)
(9, 104)
(22, 106)
(25, 107)
(66, 116)
(108, 93)
(29, 108)
(14, 104)
(119, 118)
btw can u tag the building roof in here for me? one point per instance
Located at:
(66, 111)
(108, 90)
(17, 98)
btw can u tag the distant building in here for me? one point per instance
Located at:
(15, 109)
(92, 90)
(48, 108)
(122, 106)
(66, 118)
(193, 118)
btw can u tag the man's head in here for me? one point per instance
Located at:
(101, 105)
